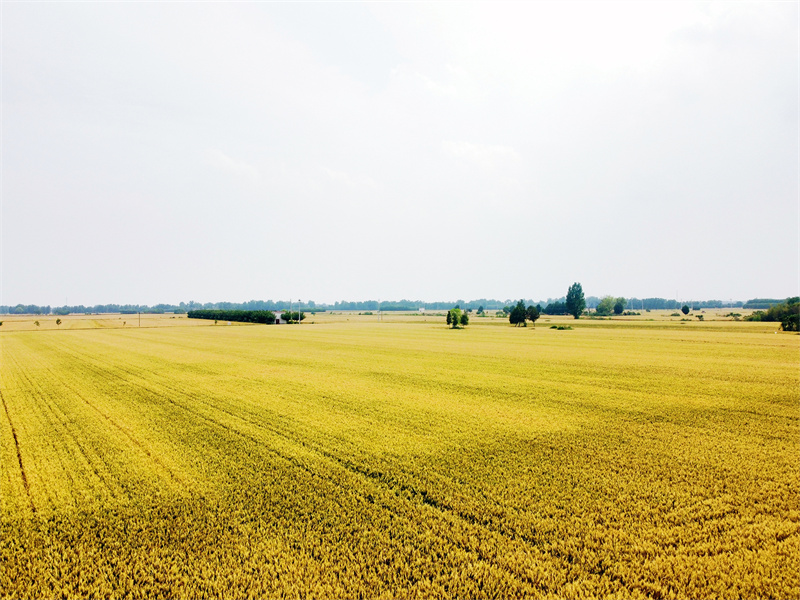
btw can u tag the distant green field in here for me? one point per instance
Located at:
(396, 458)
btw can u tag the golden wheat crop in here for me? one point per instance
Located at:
(401, 459)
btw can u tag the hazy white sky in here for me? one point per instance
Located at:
(167, 152)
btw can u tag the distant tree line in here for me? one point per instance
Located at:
(551, 306)
(25, 309)
(181, 308)
(762, 303)
(665, 304)
(266, 317)
(414, 305)
(787, 313)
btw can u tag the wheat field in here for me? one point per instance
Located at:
(354, 457)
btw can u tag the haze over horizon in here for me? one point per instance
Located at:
(167, 152)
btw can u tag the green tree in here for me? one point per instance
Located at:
(455, 317)
(58, 321)
(464, 320)
(576, 303)
(293, 316)
(517, 314)
(685, 309)
(606, 306)
(619, 306)
(532, 313)
(790, 319)
(449, 317)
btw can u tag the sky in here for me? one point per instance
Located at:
(169, 151)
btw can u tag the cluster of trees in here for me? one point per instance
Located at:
(574, 304)
(519, 315)
(609, 305)
(788, 313)
(456, 318)
(557, 307)
(266, 317)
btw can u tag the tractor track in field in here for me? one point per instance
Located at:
(166, 391)
(133, 439)
(19, 455)
(60, 417)
(388, 482)
(136, 442)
